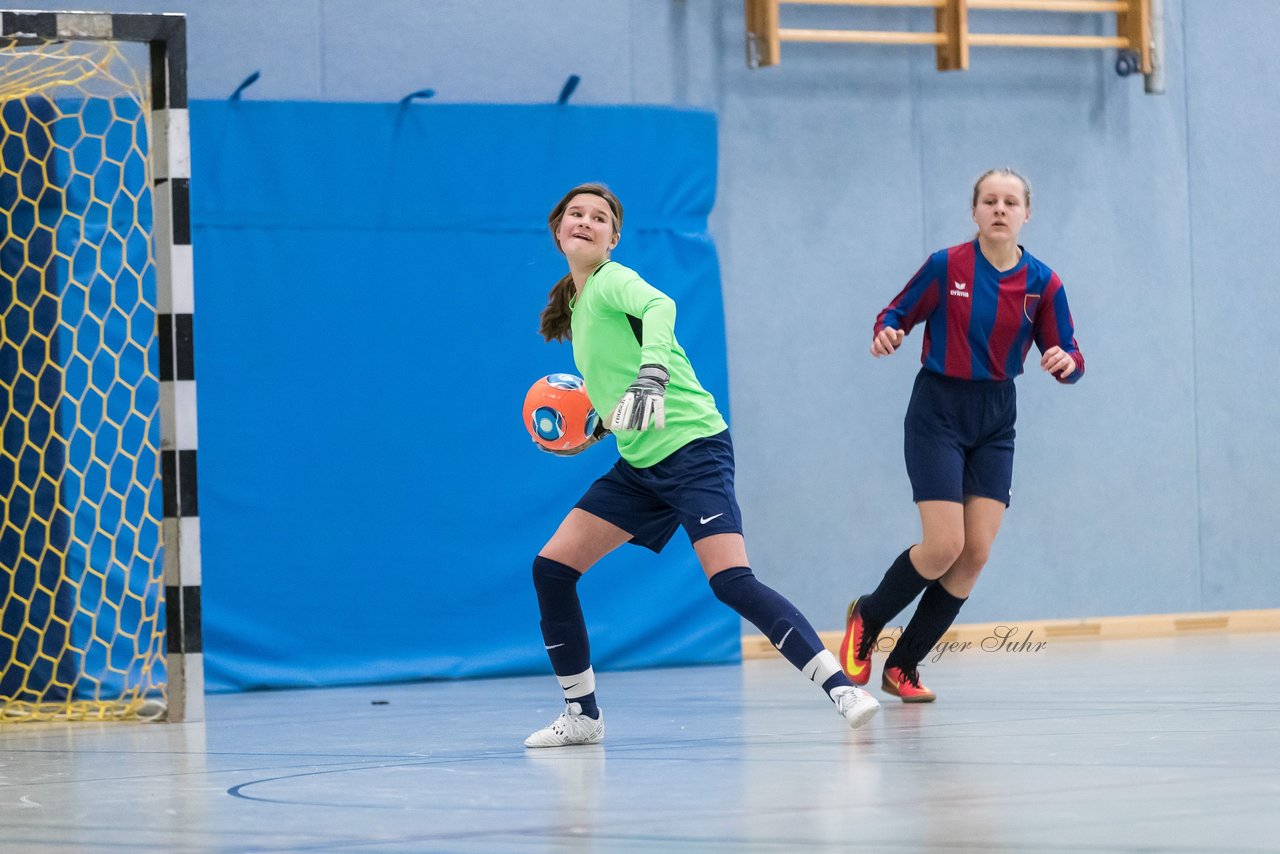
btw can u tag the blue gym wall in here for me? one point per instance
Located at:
(373, 292)
(1147, 488)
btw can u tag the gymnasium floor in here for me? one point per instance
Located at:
(1122, 745)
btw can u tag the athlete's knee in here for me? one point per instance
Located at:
(937, 553)
(550, 572)
(974, 557)
(726, 583)
(556, 587)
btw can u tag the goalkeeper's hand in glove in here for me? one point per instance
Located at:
(596, 435)
(641, 404)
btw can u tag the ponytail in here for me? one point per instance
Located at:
(557, 316)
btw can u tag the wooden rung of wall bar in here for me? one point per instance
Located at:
(1083, 6)
(860, 37)
(894, 4)
(951, 37)
(1011, 40)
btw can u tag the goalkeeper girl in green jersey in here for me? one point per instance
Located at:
(676, 469)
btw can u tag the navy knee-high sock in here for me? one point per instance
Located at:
(564, 632)
(901, 584)
(782, 623)
(934, 615)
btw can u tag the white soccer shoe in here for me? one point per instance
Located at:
(571, 727)
(854, 705)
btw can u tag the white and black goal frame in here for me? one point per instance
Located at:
(166, 36)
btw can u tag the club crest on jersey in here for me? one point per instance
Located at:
(1029, 306)
(958, 290)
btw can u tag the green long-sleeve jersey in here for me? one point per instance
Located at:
(619, 323)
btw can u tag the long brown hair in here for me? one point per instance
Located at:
(557, 316)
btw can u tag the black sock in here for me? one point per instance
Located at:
(782, 623)
(564, 632)
(901, 584)
(934, 615)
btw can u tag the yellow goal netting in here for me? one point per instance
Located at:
(82, 627)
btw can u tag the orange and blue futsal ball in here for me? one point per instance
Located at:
(558, 414)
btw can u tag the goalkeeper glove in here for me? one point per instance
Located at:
(641, 404)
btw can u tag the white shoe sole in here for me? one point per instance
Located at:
(862, 715)
(565, 743)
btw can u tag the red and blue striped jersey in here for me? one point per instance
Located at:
(979, 322)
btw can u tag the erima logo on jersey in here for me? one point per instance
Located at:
(959, 290)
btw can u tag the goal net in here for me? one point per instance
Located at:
(83, 628)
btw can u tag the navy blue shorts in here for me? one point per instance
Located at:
(959, 438)
(692, 487)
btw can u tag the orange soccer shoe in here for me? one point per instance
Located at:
(855, 649)
(904, 683)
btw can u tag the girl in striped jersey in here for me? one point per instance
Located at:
(676, 470)
(983, 303)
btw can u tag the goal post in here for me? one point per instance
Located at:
(100, 542)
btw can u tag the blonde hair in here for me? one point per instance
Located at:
(1004, 170)
(556, 317)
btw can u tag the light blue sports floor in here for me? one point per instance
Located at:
(1120, 745)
